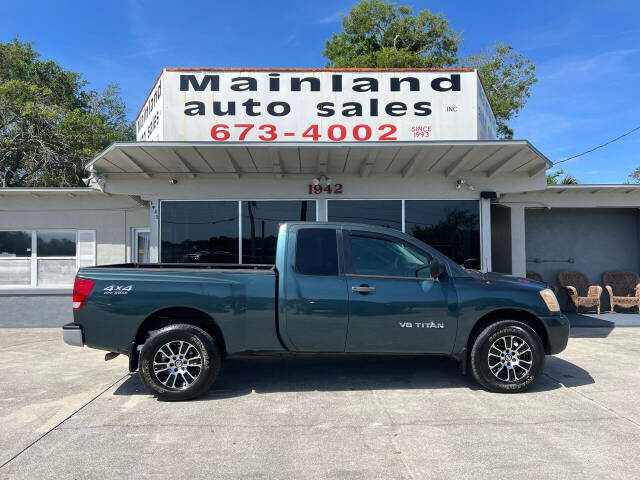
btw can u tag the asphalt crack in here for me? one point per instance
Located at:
(62, 421)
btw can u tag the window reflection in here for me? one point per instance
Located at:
(204, 232)
(450, 226)
(261, 222)
(383, 213)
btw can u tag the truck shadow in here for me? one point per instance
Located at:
(241, 376)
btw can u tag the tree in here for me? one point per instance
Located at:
(554, 178)
(50, 123)
(634, 177)
(507, 77)
(381, 34)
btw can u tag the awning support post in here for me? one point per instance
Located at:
(518, 253)
(485, 234)
(154, 231)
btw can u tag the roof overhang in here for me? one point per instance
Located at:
(487, 157)
(577, 196)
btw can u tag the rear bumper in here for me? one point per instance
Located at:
(72, 334)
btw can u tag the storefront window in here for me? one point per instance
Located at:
(56, 243)
(450, 226)
(202, 232)
(261, 221)
(15, 244)
(53, 262)
(383, 213)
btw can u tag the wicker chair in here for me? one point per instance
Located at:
(623, 288)
(539, 278)
(576, 284)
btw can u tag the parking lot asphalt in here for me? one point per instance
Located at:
(66, 413)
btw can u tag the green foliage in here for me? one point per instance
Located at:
(634, 177)
(507, 77)
(50, 123)
(553, 178)
(380, 34)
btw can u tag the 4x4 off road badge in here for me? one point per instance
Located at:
(117, 289)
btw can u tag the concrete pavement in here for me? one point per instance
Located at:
(65, 413)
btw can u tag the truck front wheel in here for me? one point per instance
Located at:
(507, 357)
(179, 362)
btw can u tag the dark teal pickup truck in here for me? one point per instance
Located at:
(335, 288)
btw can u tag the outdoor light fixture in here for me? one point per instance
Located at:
(322, 180)
(461, 182)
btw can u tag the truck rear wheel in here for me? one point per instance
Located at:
(507, 357)
(179, 362)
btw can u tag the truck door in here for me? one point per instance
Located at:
(394, 305)
(315, 301)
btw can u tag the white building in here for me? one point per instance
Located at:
(224, 156)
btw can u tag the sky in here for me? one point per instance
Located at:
(587, 55)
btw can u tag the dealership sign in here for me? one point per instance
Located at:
(229, 105)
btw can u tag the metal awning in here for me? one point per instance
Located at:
(490, 158)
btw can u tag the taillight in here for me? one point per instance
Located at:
(81, 290)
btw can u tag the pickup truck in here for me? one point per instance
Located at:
(335, 288)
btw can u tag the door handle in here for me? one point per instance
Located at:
(363, 289)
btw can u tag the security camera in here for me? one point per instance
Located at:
(459, 183)
(173, 181)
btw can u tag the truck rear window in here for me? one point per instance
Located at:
(317, 251)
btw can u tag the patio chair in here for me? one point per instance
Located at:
(576, 284)
(539, 278)
(623, 288)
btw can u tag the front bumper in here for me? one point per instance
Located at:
(72, 334)
(558, 332)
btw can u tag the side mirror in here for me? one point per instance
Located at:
(437, 269)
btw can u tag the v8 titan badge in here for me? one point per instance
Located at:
(421, 324)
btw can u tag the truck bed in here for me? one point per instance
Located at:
(242, 267)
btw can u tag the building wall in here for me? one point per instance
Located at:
(111, 217)
(598, 239)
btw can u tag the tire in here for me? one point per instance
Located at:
(493, 363)
(179, 362)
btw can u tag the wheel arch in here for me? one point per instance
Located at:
(519, 315)
(171, 316)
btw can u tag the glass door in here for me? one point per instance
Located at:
(140, 250)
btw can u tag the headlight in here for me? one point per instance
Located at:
(550, 299)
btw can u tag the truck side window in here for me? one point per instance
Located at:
(388, 257)
(317, 251)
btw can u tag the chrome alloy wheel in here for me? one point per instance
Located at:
(510, 358)
(177, 364)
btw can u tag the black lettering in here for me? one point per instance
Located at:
(373, 107)
(194, 108)
(414, 84)
(274, 82)
(325, 109)
(217, 108)
(244, 84)
(314, 84)
(368, 84)
(444, 84)
(271, 108)
(212, 80)
(336, 83)
(422, 109)
(395, 109)
(352, 109)
(249, 106)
